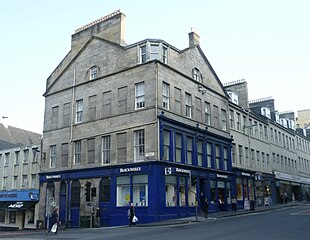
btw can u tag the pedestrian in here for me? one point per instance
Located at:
(98, 216)
(234, 204)
(54, 220)
(206, 206)
(285, 197)
(131, 214)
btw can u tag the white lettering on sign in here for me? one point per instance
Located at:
(246, 174)
(221, 176)
(16, 205)
(134, 169)
(53, 176)
(183, 170)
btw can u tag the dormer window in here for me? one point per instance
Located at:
(196, 75)
(165, 54)
(143, 54)
(93, 73)
(151, 50)
(154, 54)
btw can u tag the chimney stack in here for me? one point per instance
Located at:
(110, 27)
(193, 38)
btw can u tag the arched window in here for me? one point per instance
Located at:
(197, 75)
(63, 188)
(75, 193)
(93, 72)
(50, 197)
(104, 190)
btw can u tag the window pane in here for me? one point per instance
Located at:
(140, 190)
(171, 191)
(123, 191)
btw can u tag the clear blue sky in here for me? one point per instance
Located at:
(266, 42)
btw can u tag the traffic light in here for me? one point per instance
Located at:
(87, 192)
(93, 192)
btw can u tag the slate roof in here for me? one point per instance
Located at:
(11, 137)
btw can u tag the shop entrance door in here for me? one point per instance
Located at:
(203, 193)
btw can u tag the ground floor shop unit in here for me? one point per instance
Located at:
(159, 190)
(265, 190)
(291, 187)
(244, 188)
(18, 209)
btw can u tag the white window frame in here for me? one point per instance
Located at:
(143, 53)
(188, 105)
(77, 152)
(106, 150)
(165, 54)
(196, 75)
(139, 145)
(139, 95)
(53, 156)
(79, 111)
(166, 95)
(208, 113)
(93, 73)
(154, 51)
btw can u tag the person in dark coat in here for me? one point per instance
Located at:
(54, 219)
(234, 204)
(206, 207)
(131, 214)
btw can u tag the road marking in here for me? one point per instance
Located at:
(304, 212)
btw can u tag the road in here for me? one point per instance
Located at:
(291, 223)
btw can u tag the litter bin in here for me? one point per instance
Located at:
(252, 205)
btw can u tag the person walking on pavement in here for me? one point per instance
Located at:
(206, 205)
(54, 220)
(131, 214)
(234, 204)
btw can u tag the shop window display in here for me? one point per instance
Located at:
(239, 189)
(123, 191)
(171, 191)
(182, 200)
(140, 190)
(192, 195)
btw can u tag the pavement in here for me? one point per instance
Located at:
(225, 214)
(192, 219)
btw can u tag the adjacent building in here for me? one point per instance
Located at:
(270, 158)
(19, 178)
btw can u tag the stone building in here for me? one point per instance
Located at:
(144, 123)
(19, 178)
(270, 159)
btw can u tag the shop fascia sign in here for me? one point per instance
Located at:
(132, 169)
(221, 176)
(16, 205)
(246, 174)
(53, 176)
(169, 170)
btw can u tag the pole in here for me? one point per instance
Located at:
(196, 210)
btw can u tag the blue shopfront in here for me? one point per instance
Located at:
(159, 190)
(18, 208)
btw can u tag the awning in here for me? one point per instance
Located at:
(22, 205)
